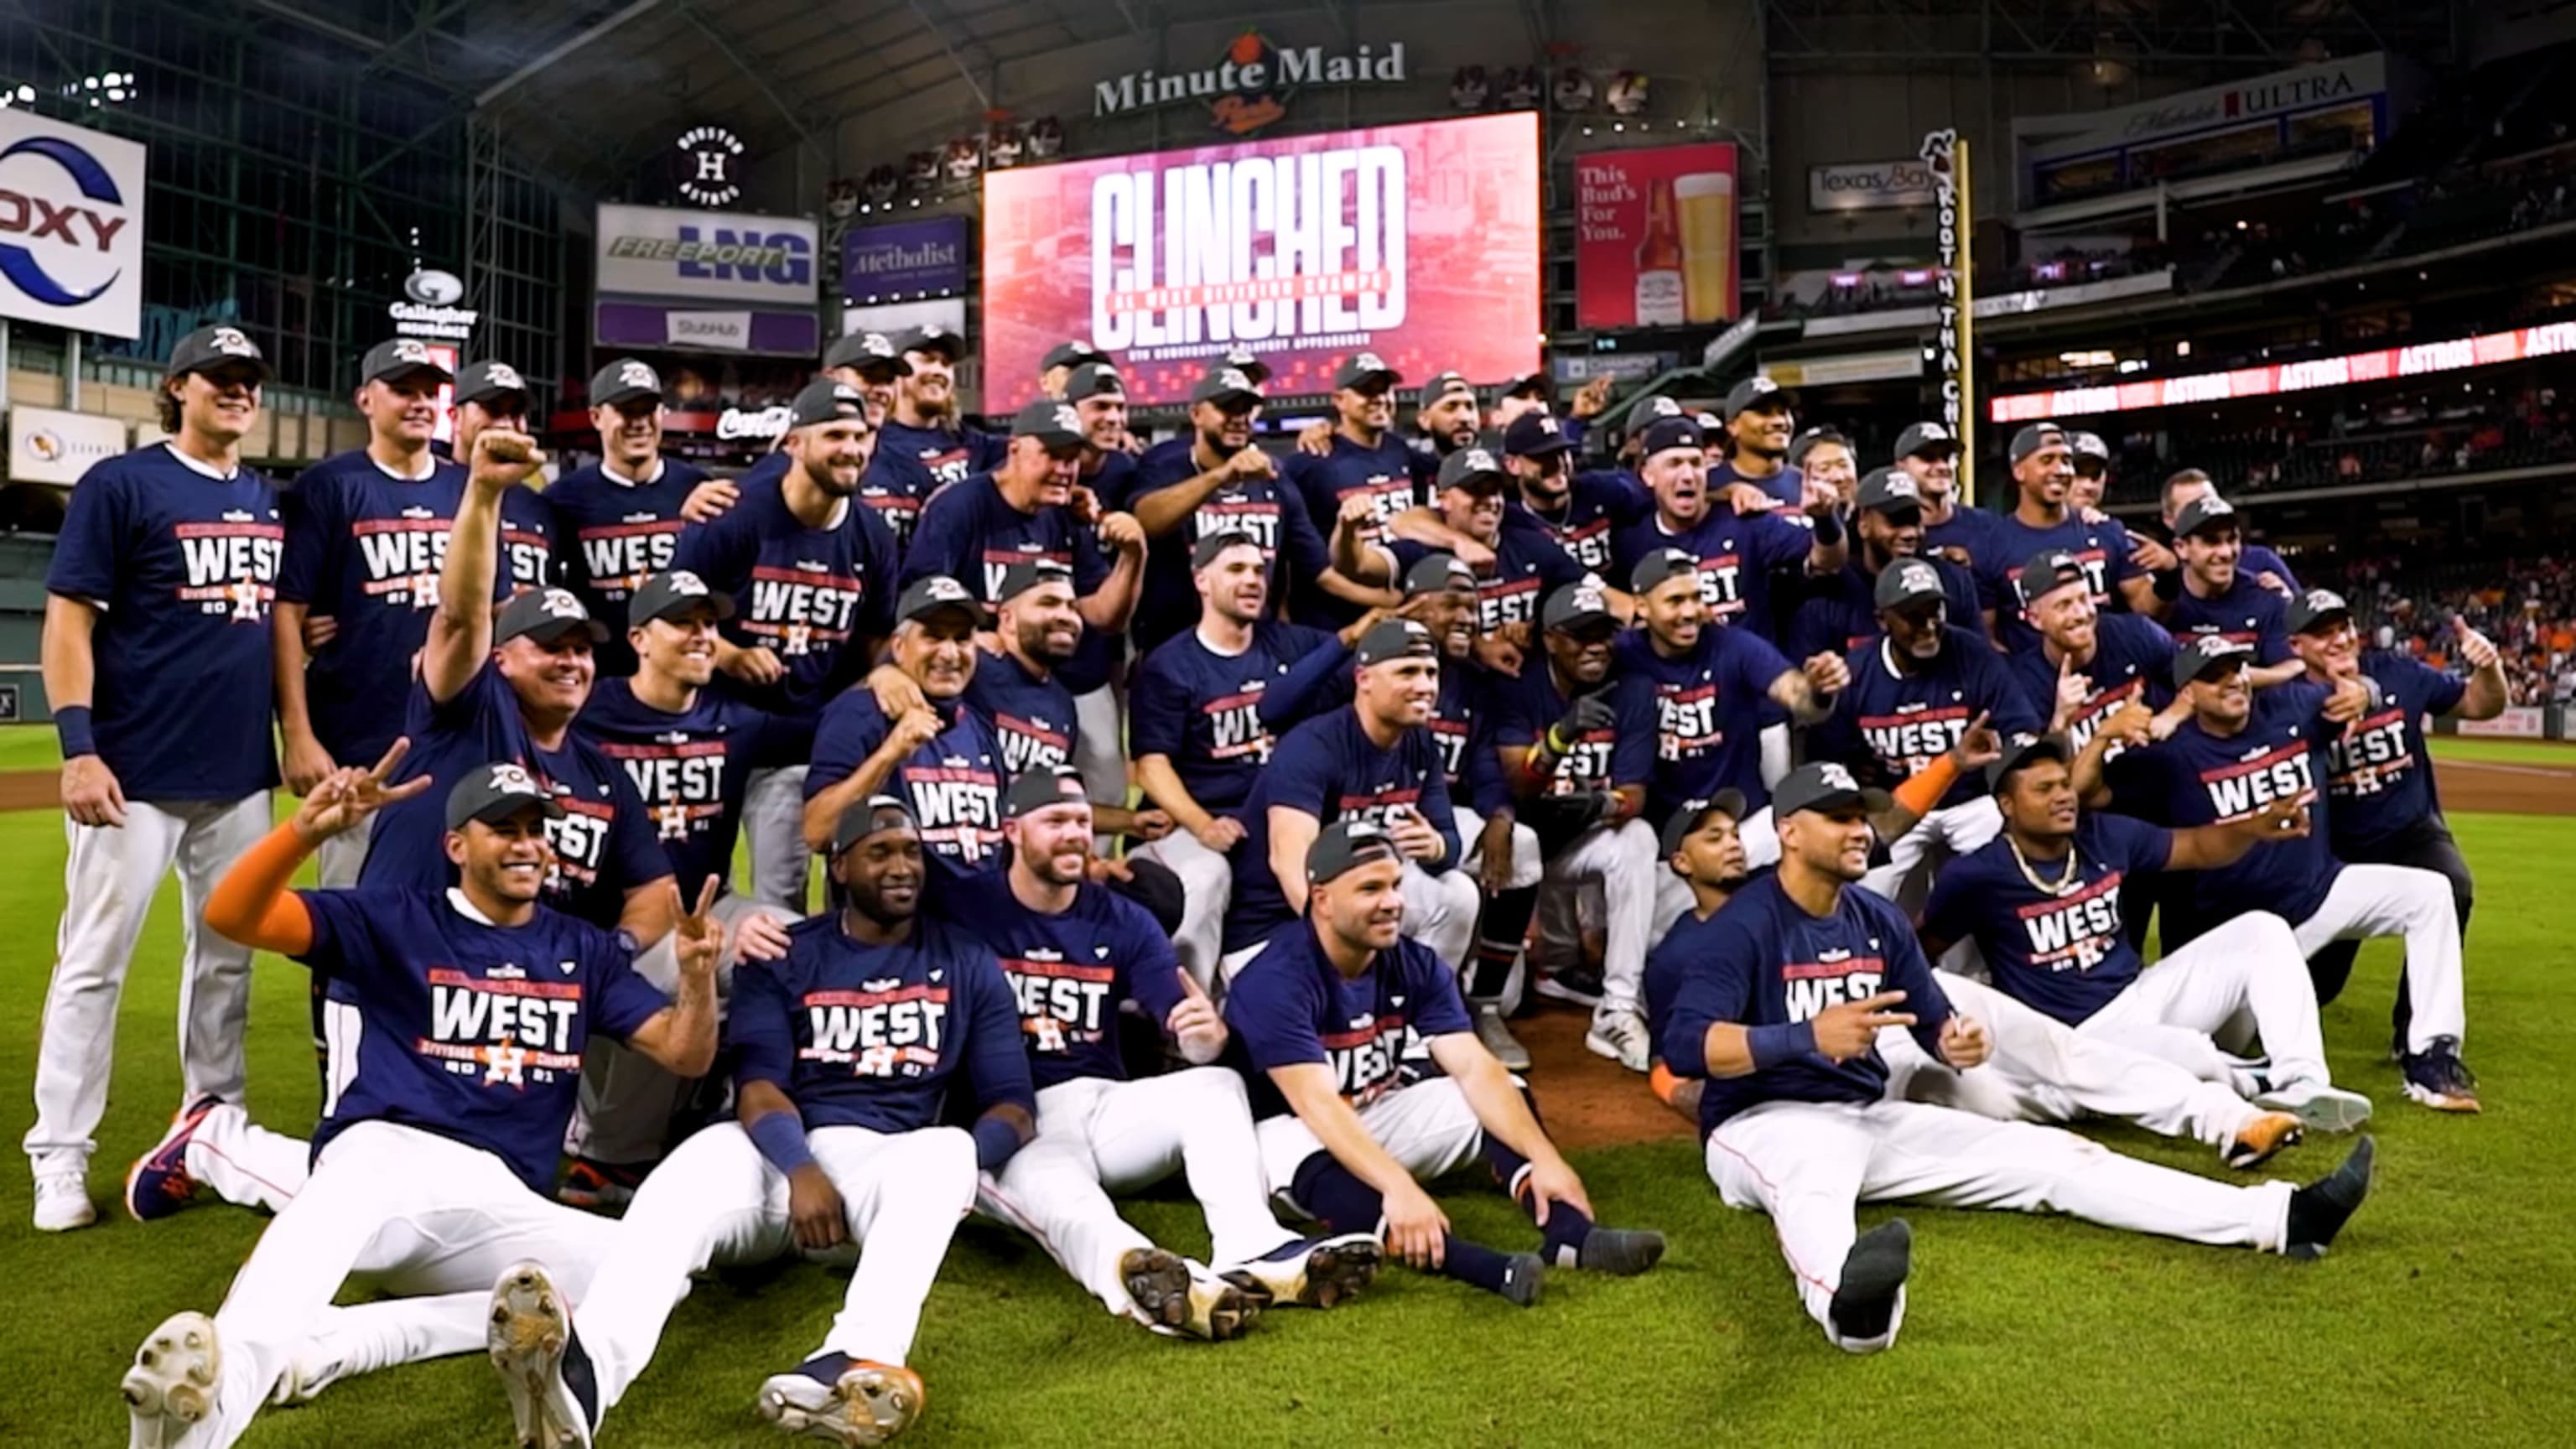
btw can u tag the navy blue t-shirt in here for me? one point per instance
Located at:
(1969, 530)
(1268, 511)
(1788, 487)
(1069, 973)
(2132, 660)
(1891, 722)
(1385, 473)
(1597, 503)
(612, 533)
(2247, 613)
(1613, 757)
(809, 595)
(2195, 779)
(446, 1022)
(970, 533)
(1736, 557)
(1529, 567)
(1840, 614)
(1292, 1007)
(2377, 772)
(870, 1036)
(1330, 769)
(689, 769)
(1763, 961)
(2063, 953)
(1461, 716)
(1707, 705)
(955, 782)
(1033, 716)
(2254, 559)
(604, 846)
(912, 463)
(1202, 709)
(2102, 548)
(182, 567)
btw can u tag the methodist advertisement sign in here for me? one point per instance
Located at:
(707, 281)
(1654, 237)
(913, 259)
(1418, 243)
(71, 226)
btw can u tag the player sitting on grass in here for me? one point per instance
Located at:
(1778, 1000)
(1327, 1014)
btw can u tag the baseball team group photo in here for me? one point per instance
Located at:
(1434, 725)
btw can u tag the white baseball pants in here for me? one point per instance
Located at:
(1100, 744)
(1620, 861)
(108, 884)
(773, 816)
(716, 1200)
(1933, 842)
(2214, 996)
(1527, 867)
(1427, 1126)
(2399, 900)
(1439, 911)
(246, 1163)
(1808, 1163)
(1207, 888)
(1097, 1137)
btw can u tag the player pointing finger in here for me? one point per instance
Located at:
(1847, 1029)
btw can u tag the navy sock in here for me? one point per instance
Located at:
(1500, 933)
(1566, 1227)
(1347, 1205)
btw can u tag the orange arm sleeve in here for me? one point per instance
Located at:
(1924, 788)
(252, 904)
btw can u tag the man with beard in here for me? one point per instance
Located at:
(813, 572)
(2042, 467)
(1736, 551)
(1217, 481)
(1017, 688)
(2379, 777)
(2217, 598)
(867, 364)
(1777, 1003)
(1076, 957)
(1524, 565)
(1446, 417)
(1954, 528)
(1579, 510)
(1365, 460)
(620, 518)
(2089, 665)
(1760, 419)
(2191, 485)
(1840, 613)
(921, 447)
(1826, 458)
(2092, 472)
(2238, 753)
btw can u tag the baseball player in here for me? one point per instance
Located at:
(2092, 458)
(2218, 598)
(2385, 810)
(157, 665)
(1019, 687)
(2190, 485)
(812, 572)
(2038, 1069)
(1737, 552)
(1954, 528)
(1826, 456)
(1912, 695)
(489, 395)
(1075, 955)
(2241, 751)
(844, 1052)
(1326, 1016)
(1580, 510)
(1056, 370)
(1096, 672)
(2042, 469)
(1523, 566)
(922, 447)
(1365, 457)
(1840, 612)
(2042, 903)
(1376, 761)
(868, 365)
(1760, 419)
(2089, 664)
(458, 1018)
(1777, 1001)
(620, 518)
(1446, 416)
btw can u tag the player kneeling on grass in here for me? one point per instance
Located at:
(1777, 1001)
(456, 1024)
(844, 1052)
(1075, 955)
(1327, 1014)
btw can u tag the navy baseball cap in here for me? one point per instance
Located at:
(2047, 571)
(210, 348)
(1529, 384)
(1812, 439)
(2207, 511)
(1535, 435)
(400, 360)
(1757, 391)
(868, 352)
(1576, 605)
(488, 382)
(866, 818)
(1030, 572)
(1038, 789)
(1344, 846)
(1242, 360)
(1908, 581)
(1363, 370)
(1055, 425)
(673, 592)
(496, 792)
(628, 379)
(2089, 448)
(1889, 491)
(1657, 567)
(933, 592)
(1094, 379)
(1229, 387)
(826, 401)
(2315, 607)
(1677, 432)
(2207, 655)
(545, 615)
(1824, 785)
(1442, 384)
(1071, 354)
(2033, 438)
(2024, 750)
(1394, 639)
(1927, 440)
(1204, 552)
(1473, 469)
(932, 337)
(1694, 813)
(1435, 573)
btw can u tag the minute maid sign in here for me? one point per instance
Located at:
(1251, 84)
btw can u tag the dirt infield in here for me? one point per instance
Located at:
(29, 789)
(2476, 785)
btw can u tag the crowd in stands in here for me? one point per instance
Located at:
(2527, 606)
(2415, 436)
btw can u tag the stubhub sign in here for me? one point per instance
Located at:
(653, 251)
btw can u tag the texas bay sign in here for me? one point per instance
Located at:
(1249, 87)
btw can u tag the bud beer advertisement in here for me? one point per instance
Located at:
(1655, 237)
(1418, 243)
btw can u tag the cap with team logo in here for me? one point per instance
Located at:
(826, 401)
(2033, 438)
(1529, 384)
(931, 337)
(1071, 354)
(545, 615)
(1889, 491)
(2024, 750)
(2317, 607)
(1229, 387)
(1364, 370)
(868, 352)
(2207, 655)
(1035, 790)
(1346, 845)
(1030, 572)
(1435, 573)
(1674, 432)
(1535, 435)
(1055, 425)
(2088, 447)
(1204, 552)
(672, 593)
(400, 360)
(1576, 605)
(1908, 581)
(488, 382)
(1694, 813)
(931, 593)
(1095, 379)
(2207, 511)
(1660, 566)
(496, 792)
(1242, 360)
(2047, 571)
(1824, 786)
(866, 818)
(1812, 439)
(209, 348)
(1394, 639)
(1445, 384)
(1927, 440)
(626, 380)
(1758, 391)
(1473, 470)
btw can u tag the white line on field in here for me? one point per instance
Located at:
(2541, 770)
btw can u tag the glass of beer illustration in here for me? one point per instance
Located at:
(1706, 201)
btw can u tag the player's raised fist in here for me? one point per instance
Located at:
(1849, 1028)
(1826, 673)
(2475, 647)
(503, 459)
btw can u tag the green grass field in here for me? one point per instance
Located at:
(2441, 1315)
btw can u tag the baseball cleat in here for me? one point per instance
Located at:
(542, 1367)
(171, 1388)
(2319, 1210)
(1524, 1274)
(1312, 1272)
(1620, 1034)
(159, 1183)
(2322, 1105)
(1620, 1252)
(2438, 1078)
(2258, 1140)
(1873, 1282)
(1498, 1039)
(1177, 1296)
(842, 1400)
(1576, 984)
(62, 1203)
